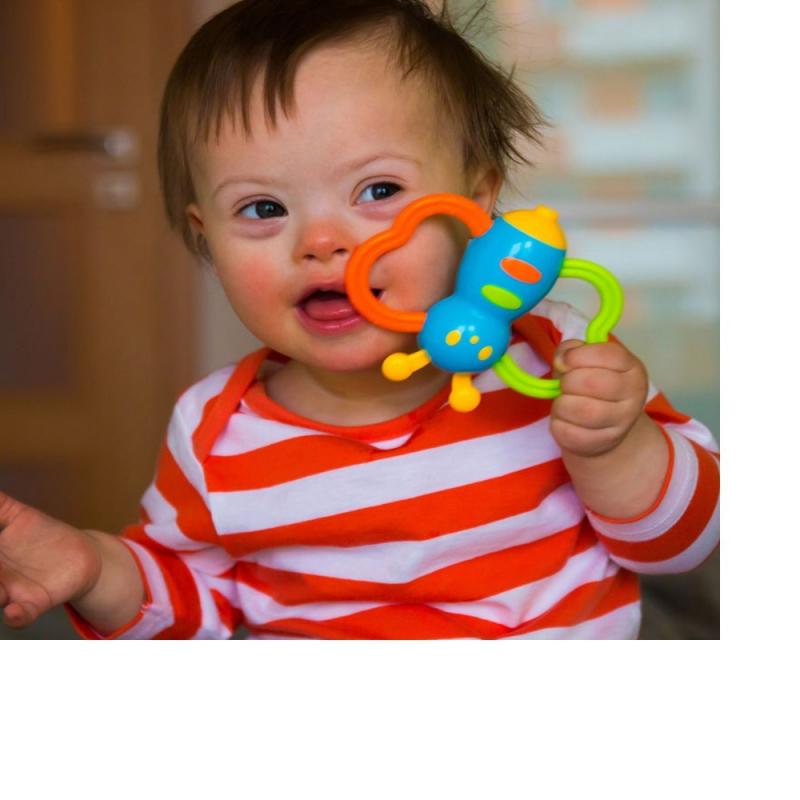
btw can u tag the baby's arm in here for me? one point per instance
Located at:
(119, 592)
(648, 476)
(45, 562)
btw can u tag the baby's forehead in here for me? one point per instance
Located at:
(340, 93)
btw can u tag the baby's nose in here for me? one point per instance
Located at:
(322, 241)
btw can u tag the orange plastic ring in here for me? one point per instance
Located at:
(356, 276)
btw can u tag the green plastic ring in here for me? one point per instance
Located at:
(611, 303)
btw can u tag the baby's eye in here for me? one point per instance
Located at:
(378, 191)
(262, 209)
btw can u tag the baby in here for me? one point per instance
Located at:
(299, 492)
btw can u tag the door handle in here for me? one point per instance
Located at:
(118, 144)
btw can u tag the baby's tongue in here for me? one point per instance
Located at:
(324, 306)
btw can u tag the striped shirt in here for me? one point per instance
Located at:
(437, 524)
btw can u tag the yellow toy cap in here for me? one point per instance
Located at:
(539, 223)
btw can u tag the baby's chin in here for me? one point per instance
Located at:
(349, 363)
(359, 354)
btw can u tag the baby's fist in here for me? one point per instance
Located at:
(603, 392)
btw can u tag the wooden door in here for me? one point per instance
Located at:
(96, 295)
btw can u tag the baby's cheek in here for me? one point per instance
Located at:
(252, 283)
(432, 255)
(255, 273)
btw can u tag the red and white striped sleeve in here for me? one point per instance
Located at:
(190, 592)
(681, 528)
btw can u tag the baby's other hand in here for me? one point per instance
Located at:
(603, 392)
(43, 562)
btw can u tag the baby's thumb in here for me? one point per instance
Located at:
(560, 365)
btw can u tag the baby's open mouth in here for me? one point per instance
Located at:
(329, 305)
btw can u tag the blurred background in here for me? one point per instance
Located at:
(104, 319)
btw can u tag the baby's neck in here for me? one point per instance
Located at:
(350, 398)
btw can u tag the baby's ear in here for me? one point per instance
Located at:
(486, 188)
(194, 217)
(198, 231)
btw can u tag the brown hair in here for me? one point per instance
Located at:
(214, 75)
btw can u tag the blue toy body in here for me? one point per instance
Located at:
(504, 273)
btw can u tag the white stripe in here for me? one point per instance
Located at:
(186, 417)
(566, 318)
(246, 431)
(211, 561)
(523, 603)
(621, 623)
(211, 626)
(695, 431)
(391, 444)
(191, 403)
(179, 442)
(400, 562)
(694, 555)
(389, 480)
(681, 489)
(158, 615)
(227, 587)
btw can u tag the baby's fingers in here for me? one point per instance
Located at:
(608, 355)
(20, 614)
(22, 600)
(602, 384)
(587, 412)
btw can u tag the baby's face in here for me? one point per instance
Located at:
(283, 209)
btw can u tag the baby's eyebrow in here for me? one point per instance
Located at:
(240, 179)
(358, 163)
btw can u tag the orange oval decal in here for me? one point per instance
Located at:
(520, 270)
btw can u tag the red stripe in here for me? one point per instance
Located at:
(229, 615)
(183, 595)
(417, 518)
(193, 518)
(181, 587)
(472, 579)
(257, 398)
(388, 622)
(687, 529)
(299, 457)
(540, 333)
(410, 621)
(660, 409)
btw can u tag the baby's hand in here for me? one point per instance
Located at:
(603, 392)
(43, 562)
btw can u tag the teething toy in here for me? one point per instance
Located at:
(510, 264)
